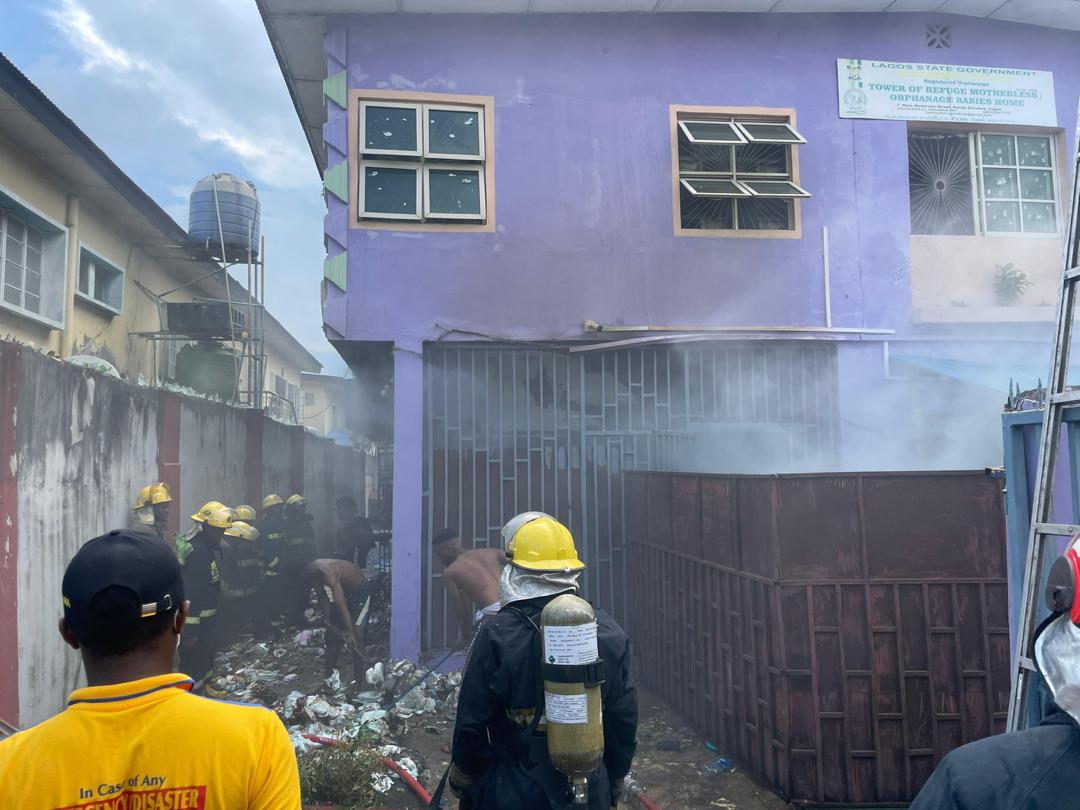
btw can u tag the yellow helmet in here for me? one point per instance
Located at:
(242, 530)
(296, 500)
(245, 513)
(159, 493)
(143, 498)
(271, 500)
(222, 518)
(207, 510)
(542, 544)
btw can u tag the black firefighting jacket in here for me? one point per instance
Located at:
(1036, 769)
(202, 582)
(495, 739)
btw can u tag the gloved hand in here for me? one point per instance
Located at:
(459, 780)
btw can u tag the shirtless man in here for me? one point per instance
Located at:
(342, 589)
(471, 579)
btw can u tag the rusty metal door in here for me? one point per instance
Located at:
(510, 428)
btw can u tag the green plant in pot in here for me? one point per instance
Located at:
(1010, 284)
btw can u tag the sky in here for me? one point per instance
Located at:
(173, 91)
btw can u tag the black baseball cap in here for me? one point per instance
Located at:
(140, 563)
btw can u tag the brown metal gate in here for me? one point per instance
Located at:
(513, 428)
(837, 634)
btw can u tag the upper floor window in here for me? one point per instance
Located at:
(21, 255)
(100, 282)
(423, 161)
(972, 183)
(33, 262)
(736, 171)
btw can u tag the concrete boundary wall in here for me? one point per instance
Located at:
(75, 447)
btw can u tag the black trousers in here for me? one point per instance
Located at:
(198, 660)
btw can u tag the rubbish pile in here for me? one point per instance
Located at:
(336, 775)
(340, 729)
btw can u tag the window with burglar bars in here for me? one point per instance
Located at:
(423, 161)
(736, 172)
(20, 260)
(982, 183)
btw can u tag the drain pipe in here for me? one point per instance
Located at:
(827, 273)
(66, 335)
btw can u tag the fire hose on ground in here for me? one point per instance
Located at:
(632, 789)
(406, 777)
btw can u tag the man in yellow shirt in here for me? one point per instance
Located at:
(136, 738)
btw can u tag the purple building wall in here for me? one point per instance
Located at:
(583, 191)
(583, 169)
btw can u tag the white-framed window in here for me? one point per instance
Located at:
(292, 394)
(33, 262)
(422, 162)
(100, 282)
(965, 183)
(20, 252)
(281, 386)
(737, 173)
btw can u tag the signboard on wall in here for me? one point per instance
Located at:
(912, 91)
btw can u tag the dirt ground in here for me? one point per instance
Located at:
(673, 780)
(269, 671)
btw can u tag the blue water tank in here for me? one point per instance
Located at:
(238, 204)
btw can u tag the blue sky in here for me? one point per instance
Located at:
(173, 91)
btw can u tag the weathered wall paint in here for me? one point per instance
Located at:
(213, 461)
(10, 382)
(76, 446)
(277, 459)
(86, 444)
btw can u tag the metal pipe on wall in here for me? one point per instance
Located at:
(826, 271)
(71, 275)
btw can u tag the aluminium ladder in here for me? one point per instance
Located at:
(1058, 398)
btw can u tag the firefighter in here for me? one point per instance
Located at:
(1040, 766)
(500, 756)
(152, 510)
(246, 514)
(182, 542)
(299, 553)
(202, 584)
(272, 539)
(241, 574)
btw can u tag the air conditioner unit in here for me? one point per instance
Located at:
(204, 320)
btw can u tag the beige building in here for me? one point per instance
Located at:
(86, 256)
(325, 403)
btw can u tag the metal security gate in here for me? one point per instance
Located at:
(511, 428)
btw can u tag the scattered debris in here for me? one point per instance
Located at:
(719, 767)
(341, 729)
(349, 775)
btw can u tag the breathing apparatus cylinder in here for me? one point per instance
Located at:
(573, 672)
